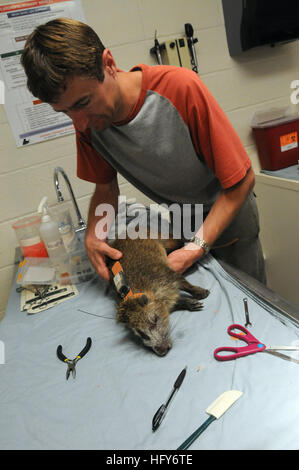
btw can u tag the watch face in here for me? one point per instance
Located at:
(201, 243)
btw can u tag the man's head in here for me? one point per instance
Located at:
(58, 51)
(68, 67)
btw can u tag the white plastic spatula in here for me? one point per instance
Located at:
(215, 410)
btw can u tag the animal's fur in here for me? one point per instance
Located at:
(146, 268)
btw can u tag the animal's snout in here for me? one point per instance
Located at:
(163, 348)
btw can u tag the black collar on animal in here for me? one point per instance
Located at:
(121, 283)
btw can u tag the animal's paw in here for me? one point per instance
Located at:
(200, 293)
(194, 305)
(206, 293)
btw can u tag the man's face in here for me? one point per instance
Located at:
(90, 103)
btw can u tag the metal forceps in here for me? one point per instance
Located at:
(253, 346)
(71, 363)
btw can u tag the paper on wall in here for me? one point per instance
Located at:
(30, 119)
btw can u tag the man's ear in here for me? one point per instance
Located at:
(108, 62)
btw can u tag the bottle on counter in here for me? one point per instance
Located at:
(51, 236)
(66, 227)
(28, 236)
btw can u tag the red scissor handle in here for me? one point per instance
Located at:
(253, 345)
(246, 336)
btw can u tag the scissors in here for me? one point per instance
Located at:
(253, 346)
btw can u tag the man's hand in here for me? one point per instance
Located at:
(96, 246)
(180, 260)
(97, 250)
(220, 216)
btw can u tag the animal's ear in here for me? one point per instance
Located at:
(122, 314)
(143, 300)
(122, 317)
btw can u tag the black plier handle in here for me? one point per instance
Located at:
(72, 362)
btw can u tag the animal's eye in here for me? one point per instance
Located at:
(154, 322)
(143, 335)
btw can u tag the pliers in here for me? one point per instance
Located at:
(71, 363)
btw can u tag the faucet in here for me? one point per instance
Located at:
(81, 222)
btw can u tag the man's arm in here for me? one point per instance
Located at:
(220, 216)
(95, 239)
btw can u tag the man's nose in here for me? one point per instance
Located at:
(80, 119)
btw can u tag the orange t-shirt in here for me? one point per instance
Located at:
(176, 131)
(90, 166)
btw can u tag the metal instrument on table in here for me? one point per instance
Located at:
(253, 346)
(71, 363)
(246, 313)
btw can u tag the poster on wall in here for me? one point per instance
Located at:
(30, 119)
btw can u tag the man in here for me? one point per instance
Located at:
(161, 129)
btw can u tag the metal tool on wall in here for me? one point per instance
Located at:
(191, 41)
(178, 52)
(156, 50)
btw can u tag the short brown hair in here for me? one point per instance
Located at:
(61, 49)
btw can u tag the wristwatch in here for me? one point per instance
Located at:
(202, 243)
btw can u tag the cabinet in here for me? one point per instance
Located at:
(278, 203)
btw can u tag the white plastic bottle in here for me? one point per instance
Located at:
(50, 234)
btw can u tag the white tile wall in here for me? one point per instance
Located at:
(259, 78)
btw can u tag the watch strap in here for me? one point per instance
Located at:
(201, 243)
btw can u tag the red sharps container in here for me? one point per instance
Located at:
(276, 134)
